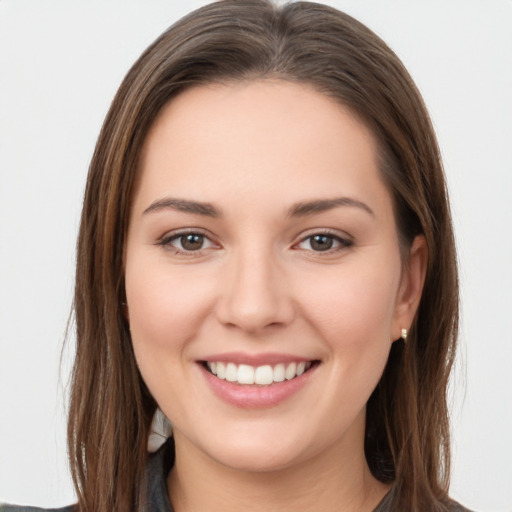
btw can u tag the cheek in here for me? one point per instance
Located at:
(166, 309)
(352, 311)
(352, 306)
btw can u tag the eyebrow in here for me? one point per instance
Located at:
(303, 209)
(183, 205)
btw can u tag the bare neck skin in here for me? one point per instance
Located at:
(336, 480)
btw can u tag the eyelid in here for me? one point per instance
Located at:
(166, 239)
(343, 239)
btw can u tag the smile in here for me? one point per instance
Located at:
(264, 375)
(258, 380)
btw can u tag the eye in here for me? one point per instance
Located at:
(187, 242)
(323, 242)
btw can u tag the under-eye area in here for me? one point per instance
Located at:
(263, 375)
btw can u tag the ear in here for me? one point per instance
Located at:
(411, 287)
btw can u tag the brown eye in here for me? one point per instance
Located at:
(187, 242)
(324, 242)
(191, 242)
(321, 242)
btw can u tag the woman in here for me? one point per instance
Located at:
(266, 255)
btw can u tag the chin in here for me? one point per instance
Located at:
(255, 459)
(257, 448)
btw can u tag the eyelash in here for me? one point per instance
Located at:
(339, 242)
(166, 242)
(342, 243)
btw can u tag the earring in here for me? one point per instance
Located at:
(404, 334)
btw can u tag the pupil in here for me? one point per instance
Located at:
(192, 242)
(321, 242)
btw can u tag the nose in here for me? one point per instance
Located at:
(254, 294)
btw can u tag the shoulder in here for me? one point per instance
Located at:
(446, 504)
(457, 507)
(159, 465)
(17, 508)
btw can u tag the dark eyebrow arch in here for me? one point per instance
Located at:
(183, 205)
(322, 205)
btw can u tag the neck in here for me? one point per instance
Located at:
(338, 480)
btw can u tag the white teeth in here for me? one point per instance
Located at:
(231, 372)
(245, 374)
(260, 375)
(221, 371)
(264, 375)
(291, 371)
(279, 373)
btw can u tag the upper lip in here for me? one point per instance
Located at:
(255, 359)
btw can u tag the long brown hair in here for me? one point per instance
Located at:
(407, 432)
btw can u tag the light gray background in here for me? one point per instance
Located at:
(60, 65)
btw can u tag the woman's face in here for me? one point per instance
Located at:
(262, 247)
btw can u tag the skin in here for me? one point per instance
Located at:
(255, 150)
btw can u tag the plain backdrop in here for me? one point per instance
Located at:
(60, 65)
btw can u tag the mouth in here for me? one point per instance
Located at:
(263, 375)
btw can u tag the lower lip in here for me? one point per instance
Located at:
(252, 396)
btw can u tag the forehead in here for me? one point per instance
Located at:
(258, 138)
